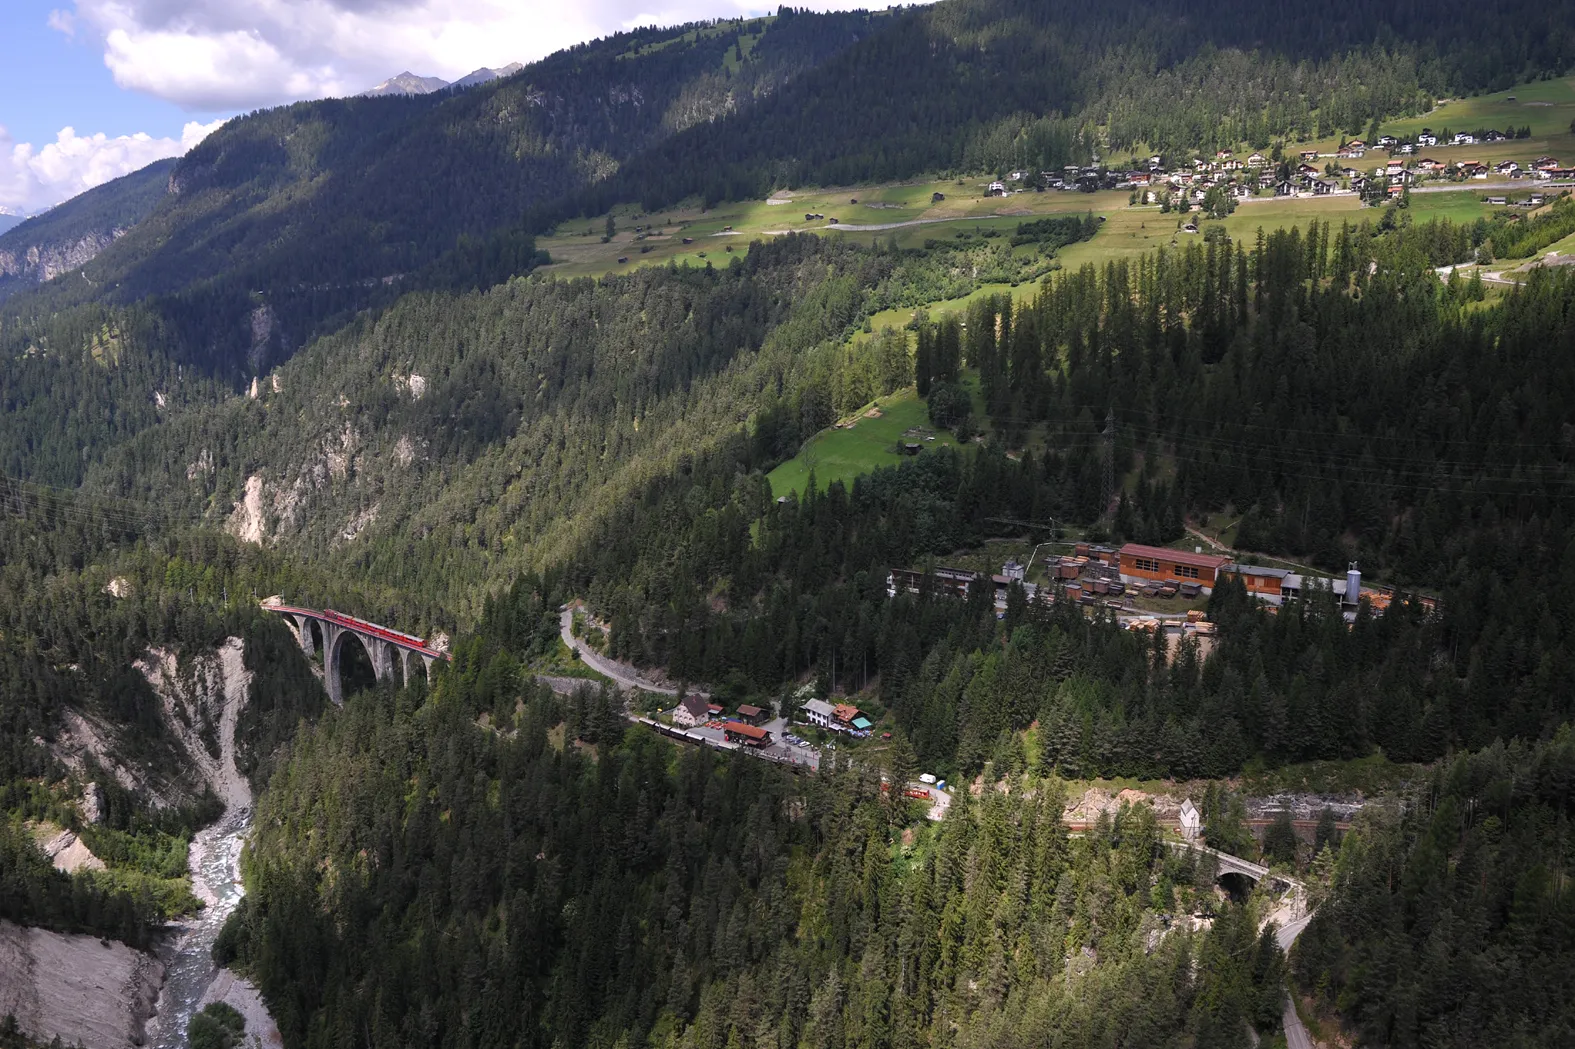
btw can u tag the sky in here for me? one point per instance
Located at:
(96, 89)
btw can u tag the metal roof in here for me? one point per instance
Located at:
(1176, 557)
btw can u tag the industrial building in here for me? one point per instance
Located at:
(1143, 565)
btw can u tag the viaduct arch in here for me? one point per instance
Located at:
(383, 645)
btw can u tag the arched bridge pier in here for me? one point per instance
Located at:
(383, 645)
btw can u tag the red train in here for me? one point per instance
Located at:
(339, 618)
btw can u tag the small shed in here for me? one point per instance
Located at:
(750, 713)
(1191, 820)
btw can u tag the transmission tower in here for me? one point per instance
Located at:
(1107, 441)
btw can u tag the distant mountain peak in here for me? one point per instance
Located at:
(408, 83)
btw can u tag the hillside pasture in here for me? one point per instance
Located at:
(859, 444)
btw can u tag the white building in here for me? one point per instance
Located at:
(819, 712)
(691, 712)
(1191, 820)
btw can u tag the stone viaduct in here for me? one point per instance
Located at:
(382, 644)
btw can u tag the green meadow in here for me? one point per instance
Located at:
(860, 444)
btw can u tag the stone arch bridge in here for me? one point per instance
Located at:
(382, 645)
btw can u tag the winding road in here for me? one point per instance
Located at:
(624, 675)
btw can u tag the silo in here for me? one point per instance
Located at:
(1353, 585)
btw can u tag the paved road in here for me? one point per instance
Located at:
(626, 676)
(1296, 1036)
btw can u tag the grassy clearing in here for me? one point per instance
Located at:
(859, 445)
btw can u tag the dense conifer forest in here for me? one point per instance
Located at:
(366, 397)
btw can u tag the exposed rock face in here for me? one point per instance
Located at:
(202, 703)
(69, 854)
(41, 262)
(90, 992)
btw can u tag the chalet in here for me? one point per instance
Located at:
(1386, 141)
(1351, 152)
(997, 189)
(1309, 154)
(1307, 169)
(1151, 564)
(1494, 136)
(1138, 178)
(747, 735)
(1464, 138)
(1222, 154)
(751, 714)
(1429, 164)
(1285, 188)
(1545, 163)
(1356, 143)
(1257, 160)
(1320, 187)
(690, 712)
(1408, 149)
(1265, 180)
(1155, 163)
(849, 718)
(1427, 138)
(1507, 167)
(1191, 820)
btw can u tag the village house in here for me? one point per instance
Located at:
(1463, 138)
(1408, 148)
(1507, 167)
(818, 713)
(1191, 820)
(691, 711)
(752, 714)
(1257, 160)
(1427, 138)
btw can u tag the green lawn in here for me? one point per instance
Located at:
(841, 454)
(1464, 206)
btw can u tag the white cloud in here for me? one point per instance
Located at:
(218, 55)
(35, 178)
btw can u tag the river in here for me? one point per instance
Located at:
(189, 970)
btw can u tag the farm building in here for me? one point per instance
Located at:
(1156, 564)
(752, 714)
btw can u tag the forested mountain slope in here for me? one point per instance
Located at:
(286, 221)
(70, 234)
